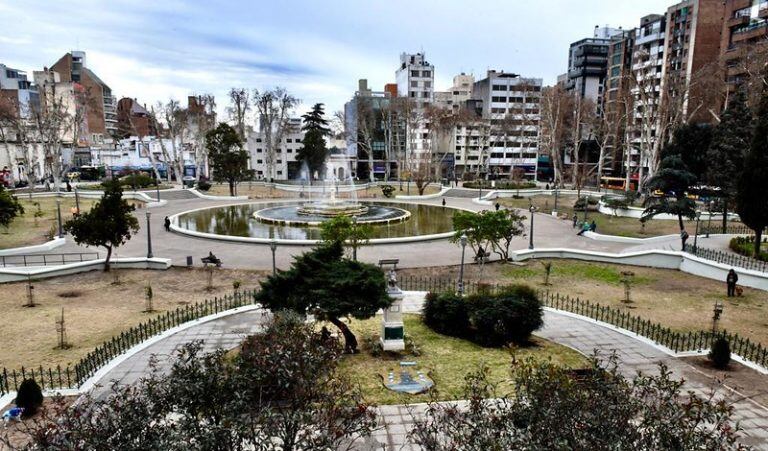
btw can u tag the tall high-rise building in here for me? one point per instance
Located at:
(587, 64)
(101, 107)
(617, 103)
(511, 103)
(692, 41)
(415, 79)
(743, 40)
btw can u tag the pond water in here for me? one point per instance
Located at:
(238, 220)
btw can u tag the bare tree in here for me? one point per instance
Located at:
(240, 105)
(201, 118)
(274, 108)
(176, 120)
(556, 115)
(53, 123)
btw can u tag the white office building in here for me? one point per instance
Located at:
(287, 167)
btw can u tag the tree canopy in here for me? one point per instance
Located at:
(228, 159)
(730, 142)
(344, 230)
(552, 408)
(283, 391)
(489, 231)
(324, 283)
(10, 207)
(109, 223)
(314, 152)
(751, 199)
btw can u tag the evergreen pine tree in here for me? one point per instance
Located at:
(315, 130)
(751, 197)
(730, 142)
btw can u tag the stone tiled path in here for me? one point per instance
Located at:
(585, 336)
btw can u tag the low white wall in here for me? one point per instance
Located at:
(92, 194)
(442, 191)
(494, 193)
(637, 213)
(45, 247)
(21, 273)
(209, 197)
(628, 240)
(655, 259)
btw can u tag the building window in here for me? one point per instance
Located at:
(413, 93)
(414, 84)
(414, 73)
(279, 172)
(425, 94)
(426, 73)
(499, 87)
(288, 140)
(427, 84)
(259, 161)
(258, 150)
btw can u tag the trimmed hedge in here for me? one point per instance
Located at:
(490, 320)
(720, 353)
(746, 246)
(446, 313)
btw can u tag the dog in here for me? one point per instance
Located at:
(739, 292)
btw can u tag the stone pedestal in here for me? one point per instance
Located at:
(392, 332)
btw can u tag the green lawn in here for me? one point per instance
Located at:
(446, 360)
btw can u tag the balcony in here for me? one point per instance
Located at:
(738, 21)
(751, 32)
(649, 38)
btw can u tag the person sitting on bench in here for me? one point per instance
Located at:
(212, 259)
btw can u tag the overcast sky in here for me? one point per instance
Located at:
(317, 49)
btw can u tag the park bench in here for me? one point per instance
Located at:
(212, 260)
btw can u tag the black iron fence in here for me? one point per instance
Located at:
(73, 376)
(730, 229)
(47, 259)
(727, 258)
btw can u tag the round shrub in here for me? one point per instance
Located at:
(508, 316)
(387, 190)
(203, 185)
(446, 313)
(29, 397)
(720, 353)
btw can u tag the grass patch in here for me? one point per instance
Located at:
(447, 360)
(95, 310)
(669, 297)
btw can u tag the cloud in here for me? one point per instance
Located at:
(154, 50)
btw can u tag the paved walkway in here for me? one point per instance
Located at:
(585, 336)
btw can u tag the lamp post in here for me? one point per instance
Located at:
(530, 238)
(77, 201)
(58, 217)
(586, 208)
(354, 238)
(273, 247)
(696, 236)
(463, 242)
(149, 237)
(157, 189)
(709, 221)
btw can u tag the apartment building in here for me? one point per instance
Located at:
(692, 41)
(415, 78)
(286, 164)
(134, 119)
(16, 91)
(511, 103)
(457, 94)
(587, 64)
(743, 39)
(101, 107)
(617, 104)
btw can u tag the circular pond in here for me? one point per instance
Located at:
(415, 221)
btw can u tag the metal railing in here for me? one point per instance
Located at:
(47, 259)
(727, 258)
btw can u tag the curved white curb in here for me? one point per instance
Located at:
(22, 273)
(253, 240)
(442, 191)
(45, 247)
(637, 213)
(209, 197)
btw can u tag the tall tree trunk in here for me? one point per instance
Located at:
(106, 261)
(232, 188)
(758, 239)
(350, 342)
(725, 214)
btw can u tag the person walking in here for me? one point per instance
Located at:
(497, 206)
(443, 201)
(730, 281)
(593, 226)
(684, 237)
(575, 220)
(167, 224)
(584, 228)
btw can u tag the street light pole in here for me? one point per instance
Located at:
(530, 240)
(273, 247)
(586, 208)
(463, 242)
(696, 236)
(58, 217)
(77, 200)
(556, 193)
(709, 221)
(149, 237)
